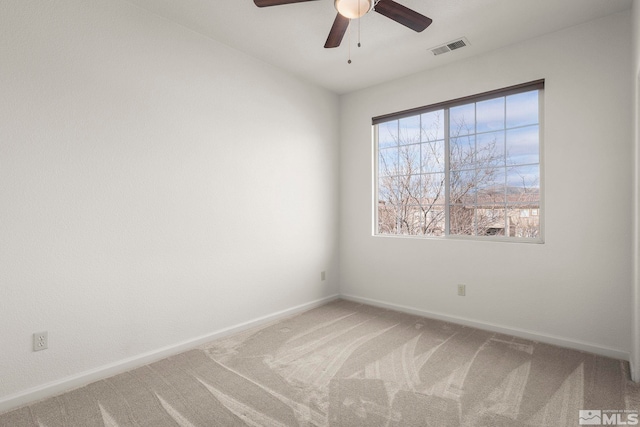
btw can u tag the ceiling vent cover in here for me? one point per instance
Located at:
(448, 47)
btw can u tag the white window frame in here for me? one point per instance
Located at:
(525, 87)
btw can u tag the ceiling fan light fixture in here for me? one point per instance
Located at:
(353, 9)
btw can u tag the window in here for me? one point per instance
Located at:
(468, 167)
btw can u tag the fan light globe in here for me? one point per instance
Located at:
(353, 9)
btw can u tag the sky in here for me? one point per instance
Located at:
(511, 123)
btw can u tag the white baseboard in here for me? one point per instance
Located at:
(530, 335)
(65, 384)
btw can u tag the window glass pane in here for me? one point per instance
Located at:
(523, 222)
(434, 221)
(462, 152)
(490, 221)
(490, 150)
(462, 220)
(462, 187)
(410, 159)
(433, 189)
(388, 190)
(522, 109)
(491, 187)
(388, 161)
(462, 120)
(433, 157)
(433, 126)
(490, 115)
(409, 130)
(402, 193)
(410, 220)
(523, 145)
(523, 183)
(388, 134)
(387, 218)
(413, 188)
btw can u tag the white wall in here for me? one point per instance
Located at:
(573, 289)
(635, 353)
(156, 187)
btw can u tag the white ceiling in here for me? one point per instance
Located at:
(292, 36)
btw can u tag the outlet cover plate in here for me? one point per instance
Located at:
(462, 290)
(40, 341)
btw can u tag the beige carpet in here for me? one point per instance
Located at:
(347, 364)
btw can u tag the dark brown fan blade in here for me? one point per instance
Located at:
(338, 29)
(403, 15)
(265, 3)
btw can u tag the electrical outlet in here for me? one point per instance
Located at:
(462, 290)
(323, 275)
(40, 341)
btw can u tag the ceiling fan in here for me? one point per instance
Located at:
(354, 9)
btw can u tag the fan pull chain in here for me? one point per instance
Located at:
(360, 15)
(349, 29)
(359, 20)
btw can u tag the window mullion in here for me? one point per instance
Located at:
(447, 172)
(506, 193)
(475, 168)
(397, 189)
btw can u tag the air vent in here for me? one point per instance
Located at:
(456, 45)
(448, 47)
(440, 50)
